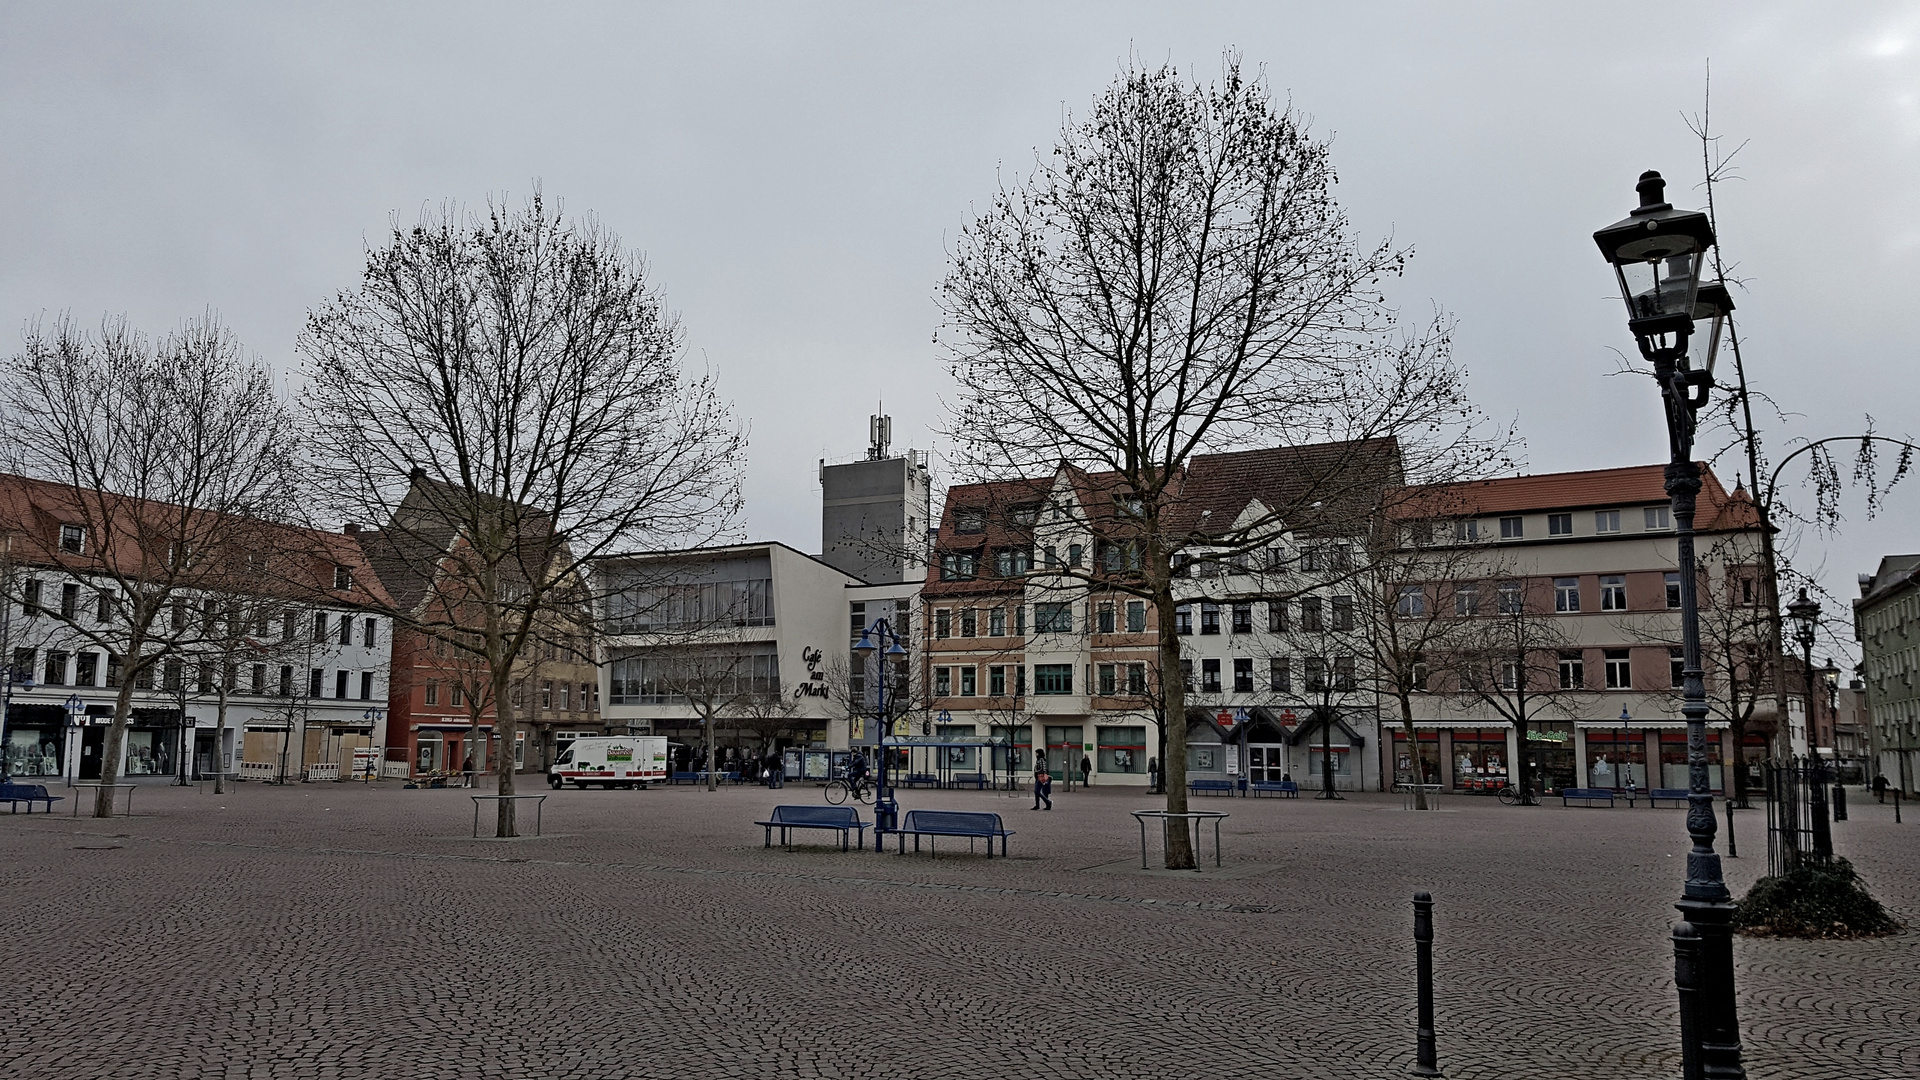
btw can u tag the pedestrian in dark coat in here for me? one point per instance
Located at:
(1042, 788)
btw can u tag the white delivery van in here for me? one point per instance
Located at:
(611, 761)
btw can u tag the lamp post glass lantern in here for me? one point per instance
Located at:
(1657, 254)
(883, 639)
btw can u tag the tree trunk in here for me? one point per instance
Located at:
(1413, 749)
(505, 727)
(1737, 727)
(713, 783)
(220, 745)
(115, 744)
(1173, 691)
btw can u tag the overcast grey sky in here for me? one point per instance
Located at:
(794, 172)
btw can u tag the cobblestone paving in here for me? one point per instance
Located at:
(333, 930)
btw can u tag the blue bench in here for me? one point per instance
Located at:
(841, 819)
(970, 824)
(1217, 787)
(977, 779)
(1285, 789)
(920, 779)
(1669, 794)
(14, 794)
(1587, 796)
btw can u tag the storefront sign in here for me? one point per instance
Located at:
(1233, 760)
(1288, 719)
(816, 684)
(1549, 736)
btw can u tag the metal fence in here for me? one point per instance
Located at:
(1799, 828)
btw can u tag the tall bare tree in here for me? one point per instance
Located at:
(1421, 585)
(171, 458)
(1176, 278)
(1509, 658)
(526, 366)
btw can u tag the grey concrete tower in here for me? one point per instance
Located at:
(873, 512)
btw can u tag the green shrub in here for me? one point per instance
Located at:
(1813, 902)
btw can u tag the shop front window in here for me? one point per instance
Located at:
(1480, 760)
(1021, 738)
(1429, 758)
(33, 751)
(1122, 750)
(1674, 772)
(1616, 757)
(148, 753)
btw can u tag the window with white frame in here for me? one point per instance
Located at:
(1573, 671)
(1619, 670)
(1559, 524)
(1512, 528)
(1466, 600)
(1509, 598)
(1658, 517)
(1566, 594)
(1613, 592)
(1606, 521)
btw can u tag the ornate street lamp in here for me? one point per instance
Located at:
(886, 810)
(1657, 254)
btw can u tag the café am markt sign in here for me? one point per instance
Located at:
(816, 682)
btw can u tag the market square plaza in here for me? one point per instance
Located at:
(335, 930)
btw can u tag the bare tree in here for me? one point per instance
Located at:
(525, 369)
(170, 458)
(1420, 588)
(1509, 659)
(1177, 278)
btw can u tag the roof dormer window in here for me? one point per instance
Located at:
(342, 578)
(73, 539)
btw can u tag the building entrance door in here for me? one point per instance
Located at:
(1266, 762)
(203, 754)
(93, 742)
(1064, 751)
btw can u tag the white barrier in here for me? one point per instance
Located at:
(396, 770)
(258, 770)
(329, 771)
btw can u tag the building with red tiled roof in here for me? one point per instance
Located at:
(289, 619)
(1025, 645)
(1593, 555)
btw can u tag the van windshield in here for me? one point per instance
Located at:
(566, 757)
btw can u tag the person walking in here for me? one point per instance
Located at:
(1086, 770)
(1153, 775)
(1042, 788)
(1880, 786)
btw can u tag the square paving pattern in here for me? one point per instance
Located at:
(340, 930)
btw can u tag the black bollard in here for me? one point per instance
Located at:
(1896, 806)
(1733, 850)
(1839, 802)
(1686, 974)
(1426, 1062)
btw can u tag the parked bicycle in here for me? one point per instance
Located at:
(1513, 796)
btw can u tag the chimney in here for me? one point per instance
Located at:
(352, 529)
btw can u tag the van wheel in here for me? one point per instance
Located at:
(555, 782)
